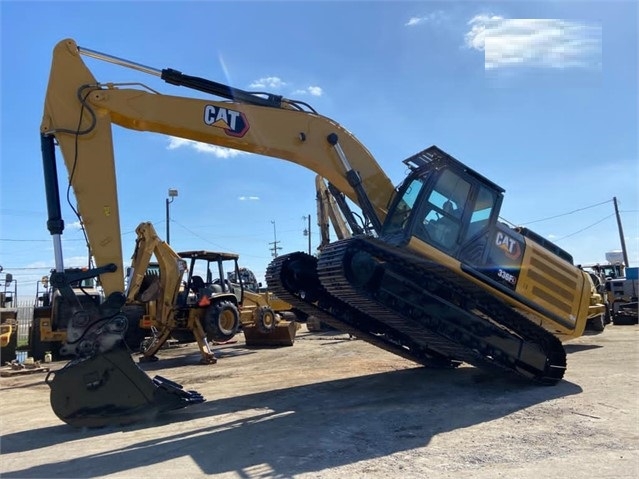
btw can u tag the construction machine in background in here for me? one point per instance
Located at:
(161, 306)
(440, 280)
(598, 311)
(619, 287)
(202, 307)
(331, 215)
(8, 317)
(52, 312)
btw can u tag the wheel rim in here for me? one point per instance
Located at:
(268, 320)
(227, 321)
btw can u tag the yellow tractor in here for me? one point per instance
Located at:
(8, 318)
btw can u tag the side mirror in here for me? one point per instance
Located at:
(8, 278)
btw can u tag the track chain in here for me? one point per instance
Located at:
(399, 324)
(341, 316)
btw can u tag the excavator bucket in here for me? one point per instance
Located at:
(282, 335)
(109, 389)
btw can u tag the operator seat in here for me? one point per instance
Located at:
(447, 227)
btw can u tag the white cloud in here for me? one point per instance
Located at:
(248, 198)
(433, 17)
(311, 90)
(76, 225)
(38, 264)
(550, 43)
(217, 151)
(268, 82)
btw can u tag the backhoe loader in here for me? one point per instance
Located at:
(440, 280)
(198, 309)
(52, 312)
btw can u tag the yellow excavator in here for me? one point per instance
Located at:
(440, 280)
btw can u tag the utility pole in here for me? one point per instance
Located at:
(307, 232)
(274, 243)
(621, 238)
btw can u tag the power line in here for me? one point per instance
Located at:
(199, 236)
(584, 229)
(28, 268)
(14, 240)
(566, 214)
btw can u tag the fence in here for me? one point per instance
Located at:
(25, 315)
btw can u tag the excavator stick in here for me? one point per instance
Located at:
(111, 390)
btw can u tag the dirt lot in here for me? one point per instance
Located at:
(333, 408)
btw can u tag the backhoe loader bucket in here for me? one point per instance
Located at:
(109, 389)
(282, 335)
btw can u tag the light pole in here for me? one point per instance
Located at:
(172, 194)
(307, 231)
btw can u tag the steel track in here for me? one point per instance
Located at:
(417, 309)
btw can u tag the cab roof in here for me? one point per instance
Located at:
(208, 255)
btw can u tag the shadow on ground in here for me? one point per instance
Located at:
(295, 430)
(575, 348)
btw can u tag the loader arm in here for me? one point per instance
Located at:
(79, 113)
(172, 269)
(164, 291)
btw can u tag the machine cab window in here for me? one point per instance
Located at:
(401, 212)
(482, 209)
(441, 217)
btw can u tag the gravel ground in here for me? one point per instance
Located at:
(330, 407)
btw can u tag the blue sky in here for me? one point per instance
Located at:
(540, 97)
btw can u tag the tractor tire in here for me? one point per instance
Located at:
(300, 316)
(313, 324)
(221, 321)
(288, 316)
(596, 324)
(265, 319)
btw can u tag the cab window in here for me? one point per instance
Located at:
(441, 221)
(404, 206)
(482, 210)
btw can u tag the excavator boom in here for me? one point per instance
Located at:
(79, 112)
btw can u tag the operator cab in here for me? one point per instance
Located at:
(447, 205)
(454, 209)
(213, 279)
(443, 202)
